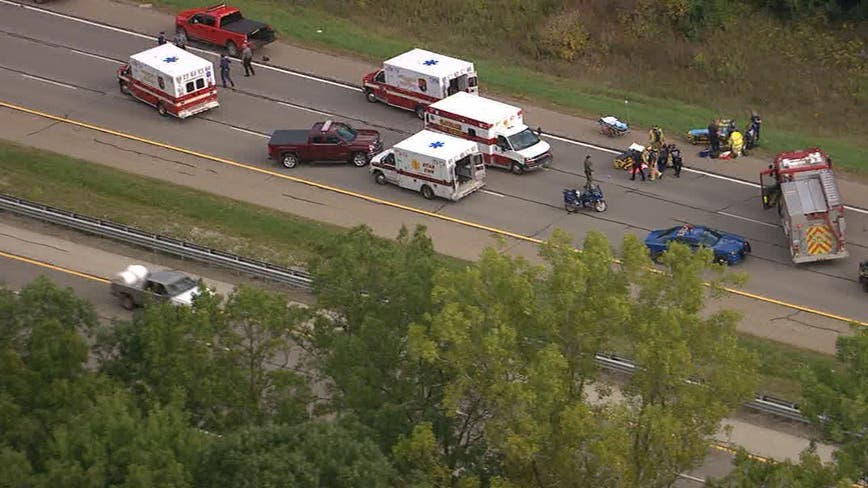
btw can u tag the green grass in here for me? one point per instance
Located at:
(211, 220)
(157, 206)
(375, 43)
(781, 365)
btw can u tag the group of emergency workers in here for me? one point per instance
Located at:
(225, 64)
(738, 142)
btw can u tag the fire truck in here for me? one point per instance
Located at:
(417, 78)
(496, 127)
(170, 79)
(802, 186)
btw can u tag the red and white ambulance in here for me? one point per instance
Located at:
(498, 128)
(170, 79)
(417, 78)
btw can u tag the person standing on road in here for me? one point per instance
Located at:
(713, 139)
(675, 154)
(180, 41)
(224, 71)
(589, 172)
(637, 166)
(161, 39)
(247, 60)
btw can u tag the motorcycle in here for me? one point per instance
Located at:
(575, 199)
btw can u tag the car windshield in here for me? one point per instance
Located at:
(346, 132)
(180, 286)
(523, 139)
(709, 238)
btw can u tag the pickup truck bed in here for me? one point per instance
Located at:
(289, 137)
(244, 26)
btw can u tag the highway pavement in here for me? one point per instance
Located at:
(29, 249)
(67, 68)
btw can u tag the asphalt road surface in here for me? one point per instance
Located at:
(68, 68)
(60, 255)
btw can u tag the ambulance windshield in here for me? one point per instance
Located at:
(346, 132)
(523, 139)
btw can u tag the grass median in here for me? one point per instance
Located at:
(319, 29)
(215, 221)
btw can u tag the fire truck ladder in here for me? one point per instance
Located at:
(833, 198)
(830, 187)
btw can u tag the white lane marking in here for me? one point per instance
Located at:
(357, 89)
(95, 56)
(239, 129)
(748, 219)
(492, 193)
(153, 38)
(298, 107)
(691, 478)
(44, 80)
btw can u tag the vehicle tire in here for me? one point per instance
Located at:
(231, 49)
(289, 160)
(127, 302)
(370, 96)
(600, 206)
(380, 178)
(427, 192)
(655, 256)
(570, 207)
(420, 112)
(161, 109)
(720, 260)
(516, 169)
(359, 160)
(125, 90)
(182, 34)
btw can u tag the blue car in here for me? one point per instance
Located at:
(728, 248)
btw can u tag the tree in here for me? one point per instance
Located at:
(43, 353)
(311, 454)
(837, 402)
(229, 362)
(517, 343)
(113, 444)
(368, 292)
(809, 472)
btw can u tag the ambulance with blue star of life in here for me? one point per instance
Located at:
(499, 129)
(433, 164)
(170, 79)
(418, 78)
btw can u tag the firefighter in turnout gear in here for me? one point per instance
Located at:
(656, 138)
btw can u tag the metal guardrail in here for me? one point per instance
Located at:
(761, 402)
(292, 276)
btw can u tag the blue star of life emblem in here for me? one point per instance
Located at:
(436, 144)
(170, 59)
(430, 62)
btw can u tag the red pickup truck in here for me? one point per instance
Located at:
(325, 141)
(222, 26)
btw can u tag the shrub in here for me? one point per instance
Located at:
(564, 37)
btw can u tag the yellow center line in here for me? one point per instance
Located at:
(379, 201)
(53, 267)
(720, 447)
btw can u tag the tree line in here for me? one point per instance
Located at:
(406, 373)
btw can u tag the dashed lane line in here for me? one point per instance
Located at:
(347, 86)
(380, 201)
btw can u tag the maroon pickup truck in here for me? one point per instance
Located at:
(223, 26)
(325, 141)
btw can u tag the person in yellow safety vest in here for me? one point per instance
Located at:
(655, 137)
(736, 143)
